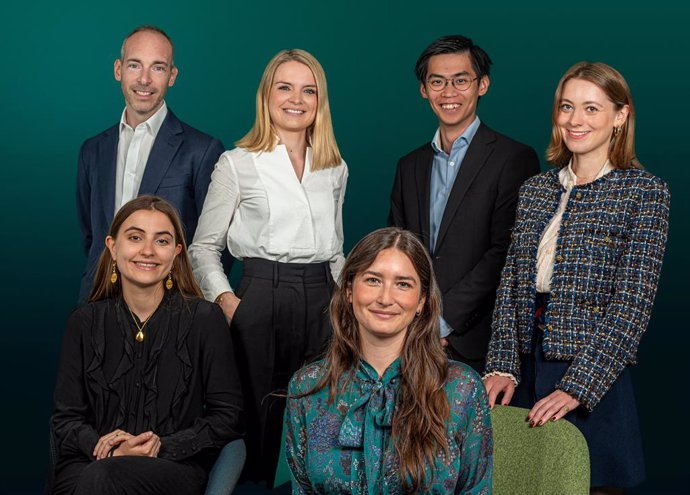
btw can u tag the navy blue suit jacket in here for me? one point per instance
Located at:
(178, 169)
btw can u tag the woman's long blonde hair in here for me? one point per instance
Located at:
(262, 136)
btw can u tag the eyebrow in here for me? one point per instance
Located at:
(380, 275)
(584, 102)
(463, 73)
(155, 62)
(138, 229)
(293, 84)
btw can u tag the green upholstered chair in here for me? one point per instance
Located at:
(552, 459)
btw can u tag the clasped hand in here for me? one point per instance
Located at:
(146, 444)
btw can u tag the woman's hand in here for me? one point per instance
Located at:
(495, 385)
(147, 444)
(228, 302)
(108, 441)
(552, 407)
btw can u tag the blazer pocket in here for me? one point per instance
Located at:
(174, 181)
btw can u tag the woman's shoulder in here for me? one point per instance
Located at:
(235, 156)
(86, 312)
(83, 318)
(462, 381)
(549, 177)
(306, 378)
(201, 308)
(637, 177)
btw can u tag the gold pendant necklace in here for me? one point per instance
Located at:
(140, 334)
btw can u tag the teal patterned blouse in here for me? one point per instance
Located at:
(346, 447)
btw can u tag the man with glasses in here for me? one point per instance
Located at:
(459, 192)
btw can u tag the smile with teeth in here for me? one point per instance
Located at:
(577, 134)
(143, 93)
(293, 111)
(450, 106)
(146, 265)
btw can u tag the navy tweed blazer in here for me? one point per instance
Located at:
(608, 259)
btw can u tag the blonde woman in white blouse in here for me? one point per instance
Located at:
(276, 202)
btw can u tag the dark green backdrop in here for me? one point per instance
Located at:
(57, 89)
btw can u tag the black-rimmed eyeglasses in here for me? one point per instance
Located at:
(461, 83)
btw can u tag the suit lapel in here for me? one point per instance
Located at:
(424, 161)
(110, 171)
(477, 154)
(164, 148)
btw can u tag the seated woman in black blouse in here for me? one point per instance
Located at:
(147, 391)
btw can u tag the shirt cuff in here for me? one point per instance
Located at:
(444, 327)
(501, 373)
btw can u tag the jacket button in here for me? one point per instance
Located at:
(549, 326)
(607, 239)
(595, 309)
(559, 258)
(578, 195)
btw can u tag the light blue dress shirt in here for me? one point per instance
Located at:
(444, 170)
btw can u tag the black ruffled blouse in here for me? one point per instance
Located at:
(180, 382)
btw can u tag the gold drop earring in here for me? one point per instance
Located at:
(113, 276)
(169, 282)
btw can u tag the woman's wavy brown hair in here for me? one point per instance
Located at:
(421, 409)
(184, 282)
(612, 83)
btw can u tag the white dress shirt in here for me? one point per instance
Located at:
(258, 208)
(133, 150)
(546, 253)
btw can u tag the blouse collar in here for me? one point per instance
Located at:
(374, 406)
(568, 179)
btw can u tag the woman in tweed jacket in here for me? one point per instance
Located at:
(578, 286)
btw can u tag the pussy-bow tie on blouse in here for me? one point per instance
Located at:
(367, 424)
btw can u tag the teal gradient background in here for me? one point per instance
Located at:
(57, 89)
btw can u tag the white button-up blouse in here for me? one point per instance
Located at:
(258, 208)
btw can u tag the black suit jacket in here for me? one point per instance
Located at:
(178, 170)
(474, 234)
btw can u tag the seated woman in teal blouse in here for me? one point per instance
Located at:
(385, 412)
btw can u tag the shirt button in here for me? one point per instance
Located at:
(452, 164)
(559, 258)
(137, 384)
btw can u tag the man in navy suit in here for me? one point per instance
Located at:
(149, 152)
(459, 192)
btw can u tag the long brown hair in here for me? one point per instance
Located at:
(184, 282)
(612, 83)
(262, 137)
(421, 408)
